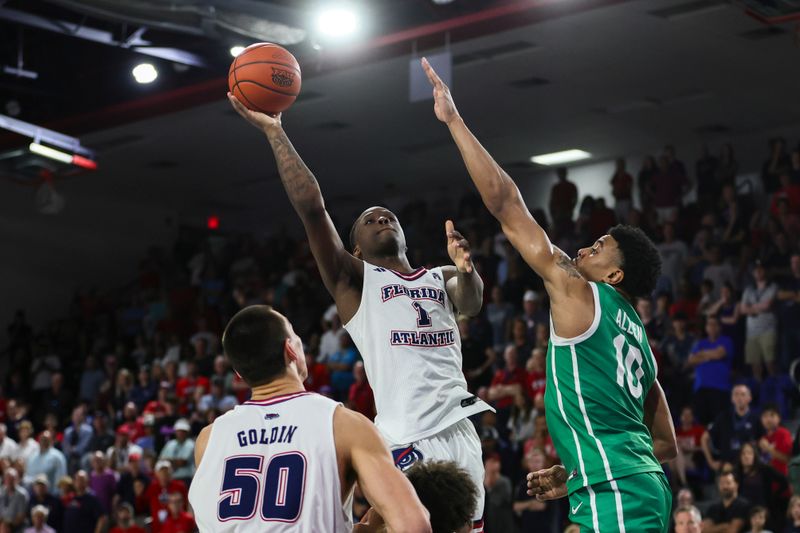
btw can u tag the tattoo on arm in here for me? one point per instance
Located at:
(297, 179)
(566, 264)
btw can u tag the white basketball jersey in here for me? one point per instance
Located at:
(406, 331)
(271, 466)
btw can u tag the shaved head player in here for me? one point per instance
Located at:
(606, 412)
(402, 319)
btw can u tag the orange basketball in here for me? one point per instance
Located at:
(265, 77)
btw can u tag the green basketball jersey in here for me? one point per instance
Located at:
(594, 400)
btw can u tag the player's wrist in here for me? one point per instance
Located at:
(454, 120)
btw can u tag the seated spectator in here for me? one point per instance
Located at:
(536, 374)
(758, 520)
(711, 359)
(689, 435)
(340, 365)
(519, 339)
(760, 484)
(177, 519)
(102, 481)
(49, 461)
(534, 515)
(330, 341)
(145, 389)
(39, 515)
(40, 496)
(122, 448)
(27, 445)
(8, 447)
(532, 315)
(360, 397)
(13, 502)
(131, 424)
(675, 349)
(124, 519)
(731, 511)
(180, 452)
(499, 314)
(522, 421)
(103, 436)
(157, 494)
(217, 399)
(497, 516)
(77, 438)
(687, 520)
(84, 512)
(185, 386)
(506, 383)
(761, 339)
(132, 482)
(776, 444)
(723, 439)
(477, 357)
(793, 515)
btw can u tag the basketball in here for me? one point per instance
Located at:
(265, 77)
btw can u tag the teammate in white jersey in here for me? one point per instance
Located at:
(401, 319)
(287, 459)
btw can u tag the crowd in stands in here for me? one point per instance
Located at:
(99, 408)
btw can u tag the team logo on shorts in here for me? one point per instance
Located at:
(282, 78)
(405, 457)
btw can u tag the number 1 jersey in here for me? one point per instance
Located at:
(405, 329)
(595, 393)
(271, 466)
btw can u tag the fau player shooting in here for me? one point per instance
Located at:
(401, 319)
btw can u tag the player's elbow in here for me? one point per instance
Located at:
(420, 523)
(666, 449)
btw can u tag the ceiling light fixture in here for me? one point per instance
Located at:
(338, 21)
(52, 153)
(144, 73)
(559, 158)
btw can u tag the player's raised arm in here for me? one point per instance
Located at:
(383, 484)
(464, 285)
(502, 197)
(341, 272)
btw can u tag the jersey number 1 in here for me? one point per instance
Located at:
(423, 318)
(282, 499)
(625, 366)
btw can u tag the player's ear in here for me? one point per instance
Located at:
(357, 252)
(289, 353)
(615, 277)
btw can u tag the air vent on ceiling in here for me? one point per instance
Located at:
(333, 125)
(526, 83)
(763, 33)
(162, 163)
(115, 142)
(493, 52)
(689, 9)
(712, 128)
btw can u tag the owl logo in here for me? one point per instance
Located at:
(404, 458)
(282, 78)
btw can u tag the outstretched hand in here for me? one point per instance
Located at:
(261, 121)
(548, 484)
(458, 248)
(443, 104)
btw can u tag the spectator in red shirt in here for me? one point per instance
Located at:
(789, 191)
(507, 382)
(156, 495)
(776, 444)
(125, 523)
(133, 424)
(184, 388)
(318, 375)
(361, 398)
(536, 378)
(690, 453)
(178, 520)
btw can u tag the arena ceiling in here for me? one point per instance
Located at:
(609, 77)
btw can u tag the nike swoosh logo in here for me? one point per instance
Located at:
(575, 509)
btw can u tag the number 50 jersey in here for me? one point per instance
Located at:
(406, 331)
(271, 466)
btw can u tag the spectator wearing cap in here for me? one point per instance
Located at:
(40, 496)
(49, 461)
(8, 447)
(216, 399)
(77, 438)
(103, 480)
(13, 501)
(177, 520)
(180, 452)
(156, 497)
(84, 512)
(531, 314)
(132, 423)
(39, 515)
(147, 442)
(133, 481)
(761, 331)
(124, 519)
(122, 448)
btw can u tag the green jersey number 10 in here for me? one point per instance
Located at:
(625, 363)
